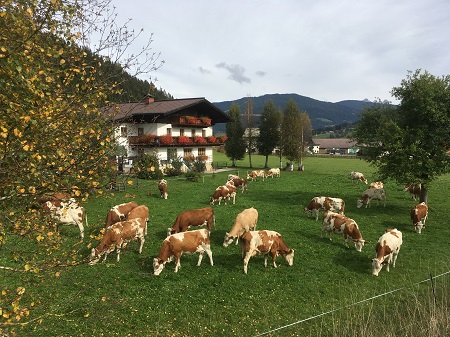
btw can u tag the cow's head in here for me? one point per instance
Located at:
(170, 231)
(360, 203)
(158, 266)
(418, 227)
(290, 258)
(308, 212)
(377, 265)
(228, 239)
(359, 243)
(94, 257)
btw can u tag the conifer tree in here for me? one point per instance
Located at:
(269, 130)
(234, 145)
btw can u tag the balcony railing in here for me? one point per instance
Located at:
(191, 121)
(167, 140)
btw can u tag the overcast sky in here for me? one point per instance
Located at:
(330, 50)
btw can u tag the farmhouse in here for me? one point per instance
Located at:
(169, 128)
(334, 146)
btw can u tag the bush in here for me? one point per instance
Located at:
(192, 175)
(198, 165)
(147, 167)
(176, 163)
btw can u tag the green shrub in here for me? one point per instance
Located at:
(147, 167)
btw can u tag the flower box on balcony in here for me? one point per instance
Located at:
(191, 120)
(183, 140)
(211, 139)
(166, 140)
(205, 120)
(199, 140)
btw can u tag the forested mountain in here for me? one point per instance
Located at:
(322, 114)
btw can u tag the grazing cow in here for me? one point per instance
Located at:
(419, 214)
(372, 193)
(388, 246)
(119, 213)
(245, 222)
(257, 173)
(185, 242)
(376, 184)
(414, 189)
(162, 186)
(67, 212)
(324, 203)
(265, 242)
(117, 235)
(238, 182)
(338, 223)
(139, 212)
(230, 185)
(222, 193)
(273, 172)
(358, 176)
(193, 218)
(232, 176)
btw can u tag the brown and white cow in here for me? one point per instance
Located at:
(376, 184)
(222, 193)
(53, 196)
(388, 247)
(119, 213)
(358, 176)
(257, 173)
(193, 218)
(67, 213)
(377, 194)
(244, 222)
(419, 214)
(324, 203)
(267, 243)
(414, 189)
(273, 172)
(117, 235)
(238, 182)
(162, 187)
(175, 245)
(139, 212)
(340, 224)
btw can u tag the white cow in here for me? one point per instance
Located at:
(372, 193)
(388, 247)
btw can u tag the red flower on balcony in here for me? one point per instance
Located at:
(199, 140)
(222, 139)
(182, 140)
(166, 140)
(206, 120)
(192, 120)
(211, 139)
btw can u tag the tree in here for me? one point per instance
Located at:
(269, 130)
(250, 131)
(53, 135)
(409, 143)
(296, 131)
(234, 147)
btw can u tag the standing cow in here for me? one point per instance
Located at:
(326, 204)
(419, 214)
(267, 243)
(174, 246)
(67, 212)
(162, 187)
(388, 247)
(119, 213)
(193, 218)
(245, 221)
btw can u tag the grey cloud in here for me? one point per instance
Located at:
(261, 73)
(203, 70)
(236, 72)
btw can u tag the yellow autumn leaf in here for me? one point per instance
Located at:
(20, 290)
(86, 315)
(26, 147)
(103, 298)
(130, 182)
(57, 274)
(17, 133)
(39, 238)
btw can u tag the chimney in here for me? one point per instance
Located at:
(149, 99)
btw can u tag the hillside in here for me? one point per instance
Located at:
(322, 114)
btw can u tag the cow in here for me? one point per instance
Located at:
(193, 218)
(388, 246)
(238, 182)
(338, 223)
(139, 212)
(119, 213)
(67, 212)
(376, 184)
(196, 241)
(257, 173)
(53, 196)
(222, 193)
(419, 214)
(264, 242)
(324, 203)
(244, 222)
(117, 235)
(372, 193)
(232, 176)
(358, 176)
(230, 185)
(273, 172)
(414, 189)
(162, 186)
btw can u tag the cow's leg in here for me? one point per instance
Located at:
(316, 214)
(177, 261)
(118, 253)
(209, 252)
(395, 257)
(141, 243)
(200, 257)
(81, 228)
(246, 259)
(346, 239)
(265, 260)
(389, 261)
(234, 198)
(274, 258)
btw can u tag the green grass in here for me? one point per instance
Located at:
(126, 299)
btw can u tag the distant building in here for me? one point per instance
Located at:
(334, 146)
(168, 128)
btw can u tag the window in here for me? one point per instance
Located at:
(203, 133)
(193, 132)
(141, 152)
(171, 153)
(140, 131)
(181, 132)
(123, 131)
(169, 131)
(187, 152)
(202, 151)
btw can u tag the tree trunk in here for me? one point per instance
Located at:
(424, 194)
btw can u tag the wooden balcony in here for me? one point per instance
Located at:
(191, 121)
(169, 141)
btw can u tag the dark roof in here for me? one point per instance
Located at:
(152, 110)
(337, 143)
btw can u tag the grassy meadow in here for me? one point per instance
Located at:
(126, 299)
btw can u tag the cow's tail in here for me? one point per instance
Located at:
(85, 218)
